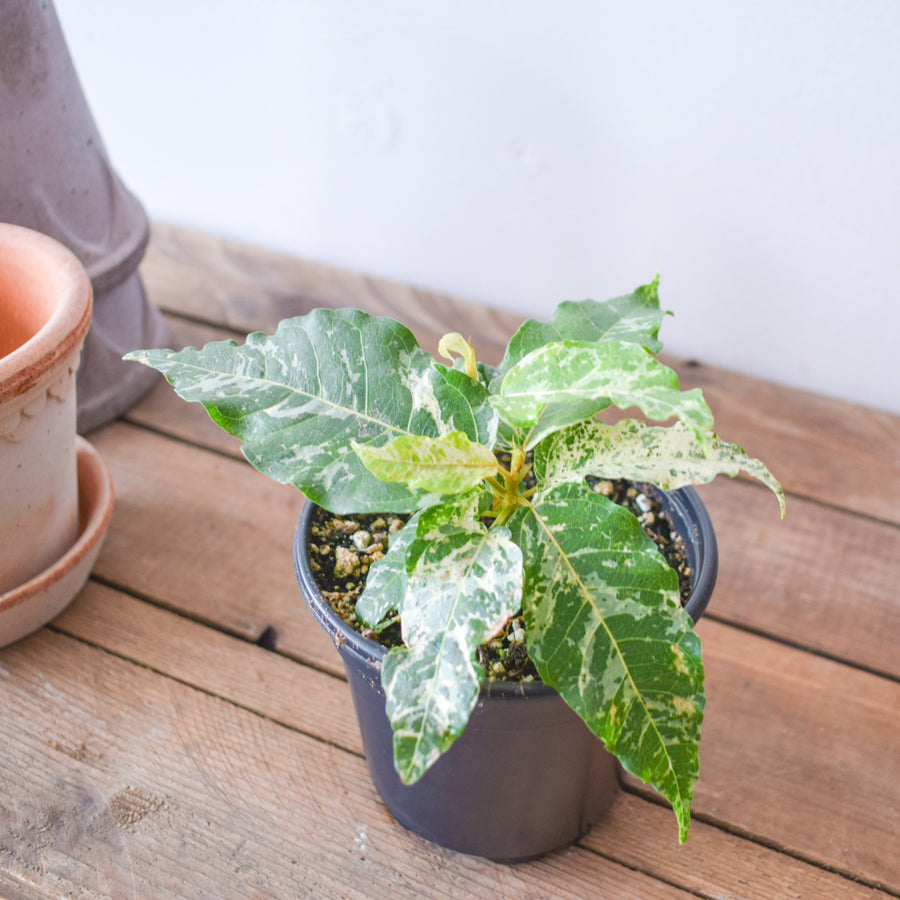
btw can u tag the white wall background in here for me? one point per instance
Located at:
(522, 152)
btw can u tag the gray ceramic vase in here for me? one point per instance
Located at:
(56, 178)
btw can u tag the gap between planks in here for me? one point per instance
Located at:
(637, 833)
(190, 541)
(128, 777)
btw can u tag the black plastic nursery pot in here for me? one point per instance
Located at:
(526, 776)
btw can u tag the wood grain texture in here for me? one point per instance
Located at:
(314, 702)
(764, 683)
(249, 289)
(149, 748)
(713, 863)
(140, 786)
(637, 832)
(821, 448)
(796, 579)
(207, 535)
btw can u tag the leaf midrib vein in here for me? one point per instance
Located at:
(439, 656)
(306, 395)
(589, 599)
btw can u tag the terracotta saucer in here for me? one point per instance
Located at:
(30, 605)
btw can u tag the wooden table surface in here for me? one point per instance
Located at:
(184, 729)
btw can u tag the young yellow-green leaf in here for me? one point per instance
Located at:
(566, 382)
(297, 399)
(607, 630)
(635, 318)
(473, 581)
(452, 464)
(455, 343)
(668, 457)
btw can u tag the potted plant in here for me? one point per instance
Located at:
(492, 469)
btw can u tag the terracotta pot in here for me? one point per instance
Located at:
(45, 312)
(524, 754)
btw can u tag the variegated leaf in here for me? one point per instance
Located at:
(467, 507)
(607, 630)
(635, 317)
(668, 457)
(562, 383)
(387, 578)
(452, 464)
(473, 581)
(298, 397)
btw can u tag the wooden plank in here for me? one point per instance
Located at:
(801, 752)
(713, 863)
(818, 447)
(636, 832)
(122, 782)
(817, 579)
(191, 551)
(272, 685)
(209, 536)
(791, 579)
(246, 288)
(250, 288)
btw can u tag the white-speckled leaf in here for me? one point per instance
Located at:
(473, 579)
(387, 578)
(298, 397)
(635, 317)
(606, 629)
(668, 457)
(452, 464)
(462, 508)
(566, 382)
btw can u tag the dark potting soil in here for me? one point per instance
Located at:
(342, 548)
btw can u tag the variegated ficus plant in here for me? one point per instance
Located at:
(349, 408)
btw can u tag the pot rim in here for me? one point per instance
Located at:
(690, 519)
(63, 333)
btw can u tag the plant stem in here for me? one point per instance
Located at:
(507, 497)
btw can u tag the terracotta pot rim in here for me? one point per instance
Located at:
(64, 332)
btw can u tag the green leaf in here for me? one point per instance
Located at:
(386, 580)
(297, 398)
(668, 457)
(566, 382)
(635, 317)
(447, 465)
(606, 629)
(463, 404)
(472, 579)
(462, 508)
